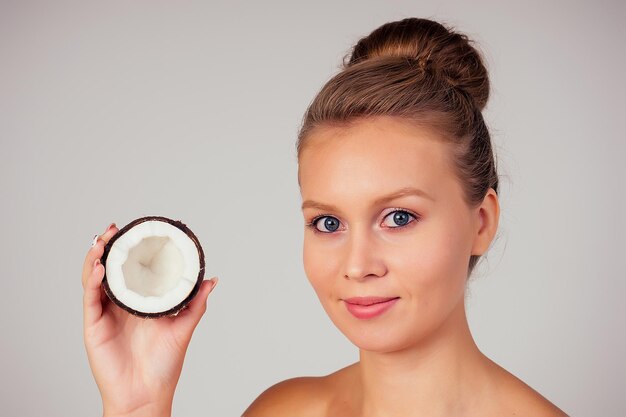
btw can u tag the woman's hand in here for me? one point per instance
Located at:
(136, 362)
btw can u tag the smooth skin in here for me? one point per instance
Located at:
(416, 359)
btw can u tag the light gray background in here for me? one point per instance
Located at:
(113, 110)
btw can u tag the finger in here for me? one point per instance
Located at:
(188, 319)
(97, 250)
(92, 298)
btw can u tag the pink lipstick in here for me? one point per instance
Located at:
(369, 307)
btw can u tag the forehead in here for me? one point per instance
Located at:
(372, 157)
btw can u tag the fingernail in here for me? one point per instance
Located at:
(215, 279)
(110, 226)
(95, 239)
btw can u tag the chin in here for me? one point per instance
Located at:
(388, 333)
(380, 337)
(378, 344)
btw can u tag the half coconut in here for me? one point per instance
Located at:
(154, 266)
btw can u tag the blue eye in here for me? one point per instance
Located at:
(325, 224)
(399, 218)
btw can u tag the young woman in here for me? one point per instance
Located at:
(399, 190)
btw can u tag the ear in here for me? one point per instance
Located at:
(487, 217)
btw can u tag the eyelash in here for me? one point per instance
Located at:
(313, 223)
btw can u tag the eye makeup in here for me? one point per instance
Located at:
(332, 221)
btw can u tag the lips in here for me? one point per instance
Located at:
(369, 307)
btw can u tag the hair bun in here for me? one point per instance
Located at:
(436, 49)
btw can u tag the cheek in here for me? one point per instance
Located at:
(320, 264)
(431, 265)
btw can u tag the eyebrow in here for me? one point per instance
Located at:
(381, 200)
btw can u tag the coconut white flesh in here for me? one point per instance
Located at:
(152, 267)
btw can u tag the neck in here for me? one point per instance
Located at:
(441, 376)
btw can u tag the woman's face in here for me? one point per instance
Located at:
(385, 218)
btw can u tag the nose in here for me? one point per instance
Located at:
(363, 259)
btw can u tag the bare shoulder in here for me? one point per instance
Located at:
(296, 396)
(307, 396)
(516, 398)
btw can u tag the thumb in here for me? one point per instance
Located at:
(189, 318)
